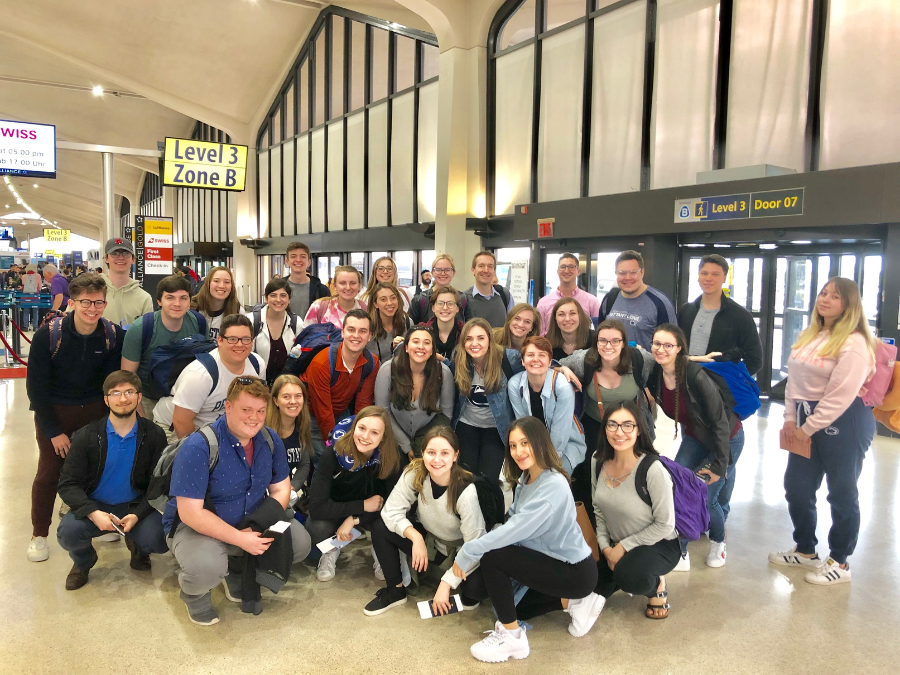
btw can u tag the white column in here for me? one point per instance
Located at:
(245, 265)
(460, 156)
(110, 226)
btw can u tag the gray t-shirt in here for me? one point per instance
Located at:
(700, 331)
(299, 298)
(476, 412)
(640, 317)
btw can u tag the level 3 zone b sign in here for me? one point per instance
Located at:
(198, 164)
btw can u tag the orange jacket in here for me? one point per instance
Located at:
(326, 401)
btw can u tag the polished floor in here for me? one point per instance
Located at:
(748, 617)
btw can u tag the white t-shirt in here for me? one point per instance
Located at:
(191, 391)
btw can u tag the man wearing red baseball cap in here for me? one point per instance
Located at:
(125, 298)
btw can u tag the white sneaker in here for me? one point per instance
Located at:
(501, 645)
(111, 536)
(829, 573)
(584, 613)
(38, 551)
(684, 564)
(793, 559)
(327, 563)
(716, 557)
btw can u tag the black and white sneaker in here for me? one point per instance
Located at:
(793, 559)
(829, 573)
(384, 600)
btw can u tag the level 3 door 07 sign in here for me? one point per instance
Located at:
(198, 164)
(27, 149)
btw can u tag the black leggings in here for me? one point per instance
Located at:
(546, 575)
(388, 544)
(638, 573)
(481, 450)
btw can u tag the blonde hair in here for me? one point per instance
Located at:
(368, 295)
(493, 364)
(503, 336)
(444, 256)
(851, 320)
(389, 456)
(303, 423)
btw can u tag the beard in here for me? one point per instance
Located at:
(123, 415)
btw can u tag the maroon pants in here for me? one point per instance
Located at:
(46, 482)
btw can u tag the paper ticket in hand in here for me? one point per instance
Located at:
(333, 543)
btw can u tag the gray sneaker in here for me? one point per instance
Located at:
(327, 563)
(232, 585)
(200, 608)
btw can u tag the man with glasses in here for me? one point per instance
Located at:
(208, 519)
(489, 301)
(126, 300)
(305, 288)
(640, 307)
(69, 360)
(198, 396)
(104, 481)
(567, 271)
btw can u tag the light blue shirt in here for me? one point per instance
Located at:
(542, 518)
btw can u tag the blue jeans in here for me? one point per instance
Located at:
(693, 455)
(837, 454)
(74, 535)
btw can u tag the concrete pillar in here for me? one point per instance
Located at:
(109, 227)
(245, 264)
(460, 156)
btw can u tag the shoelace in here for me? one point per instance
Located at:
(494, 638)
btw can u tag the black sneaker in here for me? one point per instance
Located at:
(384, 600)
(139, 560)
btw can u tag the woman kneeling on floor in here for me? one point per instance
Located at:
(541, 546)
(449, 514)
(351, 482)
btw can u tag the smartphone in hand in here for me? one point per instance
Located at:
(426, 607)
(116, 525)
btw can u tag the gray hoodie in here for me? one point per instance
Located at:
(126, 304)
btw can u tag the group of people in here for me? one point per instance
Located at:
(403, 427)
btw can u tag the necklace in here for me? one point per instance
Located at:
(612, 479)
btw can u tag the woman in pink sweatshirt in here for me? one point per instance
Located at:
(830, 363)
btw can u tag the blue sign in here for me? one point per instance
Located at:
(7, 261)
(77, 256)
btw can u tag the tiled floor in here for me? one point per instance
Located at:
(748, 617)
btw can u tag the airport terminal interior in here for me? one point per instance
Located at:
(215, 133)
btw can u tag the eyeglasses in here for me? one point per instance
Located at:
(443, 270)
(615, 342)
(246, 380)
(119, 253)
(441, 304)
(567, 268)
(99, 304)
(116, 395)
(384, 268)
(628, 273)
(233, 340)
(668, 346)
(612, 426)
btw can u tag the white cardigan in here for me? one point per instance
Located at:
(263, 342)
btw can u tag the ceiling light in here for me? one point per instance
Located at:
(801, 241)
(97, 90)
(35, 185)
(54, 222)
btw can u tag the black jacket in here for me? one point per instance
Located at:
(711, 421)
(273, 567)
(74, 376)
(336, 494)
(733, 332)
(317, 290)
(420, 308)
(86, 460)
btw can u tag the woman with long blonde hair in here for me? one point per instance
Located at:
(384, 270)
(828, 428)
(288, 416)
(216, 298)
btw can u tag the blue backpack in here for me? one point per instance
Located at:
(691, 512)
(168, 361)
(737, 381)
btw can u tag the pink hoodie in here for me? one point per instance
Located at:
(833, 382)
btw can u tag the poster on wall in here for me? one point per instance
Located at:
(518, 281)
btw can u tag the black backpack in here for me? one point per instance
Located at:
(491, 501)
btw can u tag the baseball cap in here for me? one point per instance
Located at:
(119, 244)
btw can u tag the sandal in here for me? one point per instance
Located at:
(658, 612)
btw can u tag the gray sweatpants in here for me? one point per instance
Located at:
(204, 560)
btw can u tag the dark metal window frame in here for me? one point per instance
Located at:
(324, 26)
(819, 25)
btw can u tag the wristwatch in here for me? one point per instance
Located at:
(356, 520)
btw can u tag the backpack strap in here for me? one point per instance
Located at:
(507, 367)
(637, 366)
(608, 301)
(640, 479)
(55, 335)
(254, 362)
(367, 368)
(213, 441)
(293, 323)
(257, 321)
(504, 294)
(208, 362)
(109, 332)
(267, 436)
(147, 322)
(202, 326)
(553, 385)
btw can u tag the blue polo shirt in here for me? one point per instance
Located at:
(236, 488)
(115, 483)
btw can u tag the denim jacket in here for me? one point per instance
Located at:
(498, 401)
(558, 401)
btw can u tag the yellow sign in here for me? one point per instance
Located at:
(198, 164)
(54, 235)
(49, 251)
(157, 226)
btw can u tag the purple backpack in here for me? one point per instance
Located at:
(691, 512)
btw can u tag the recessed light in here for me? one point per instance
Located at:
(801, 241)
(35, 185)
(97, 90)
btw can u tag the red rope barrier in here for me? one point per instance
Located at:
(20, 331)
(10, 349)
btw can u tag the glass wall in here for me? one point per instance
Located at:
(338, 148)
